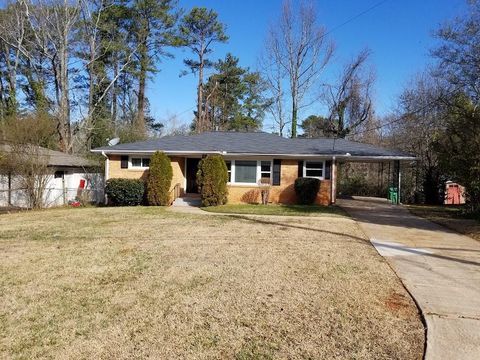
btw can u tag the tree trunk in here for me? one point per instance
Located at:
(64, 105)
(114, 96)
(200, 126)
(294, 116)
(12, 83)
(91, 91)
(140, 125)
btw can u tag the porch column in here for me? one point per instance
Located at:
(333, 181)
(397, 178)
(399, 182)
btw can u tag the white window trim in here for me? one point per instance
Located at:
(130, 166)
(259, 172)
(305, 162)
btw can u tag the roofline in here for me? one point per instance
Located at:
(337, 156)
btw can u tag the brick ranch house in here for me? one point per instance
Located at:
(250, 158)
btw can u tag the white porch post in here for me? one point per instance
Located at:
(399, 182)
(333, 181)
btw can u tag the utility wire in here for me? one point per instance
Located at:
(349, 20)
(422, 108)
(355, 17)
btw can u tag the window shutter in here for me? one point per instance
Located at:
(277, 170)
(124, 162)
(300, 168)
(328, 169)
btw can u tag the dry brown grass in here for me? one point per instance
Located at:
(118, 283)
(450, 217)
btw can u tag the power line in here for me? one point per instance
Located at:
(355, 17)
(349, 20)
(426, 106)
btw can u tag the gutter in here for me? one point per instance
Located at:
(295, 156)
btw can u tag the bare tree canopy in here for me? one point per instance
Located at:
(350, 100)
(296, 50)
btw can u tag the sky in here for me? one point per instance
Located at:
(398, 33)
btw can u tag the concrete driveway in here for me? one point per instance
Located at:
(440, 268)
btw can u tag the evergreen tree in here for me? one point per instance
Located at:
(199, 29)
(235, 97)
(159, 180)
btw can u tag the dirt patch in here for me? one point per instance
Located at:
(399, 304)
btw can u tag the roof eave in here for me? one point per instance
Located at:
(283, 155)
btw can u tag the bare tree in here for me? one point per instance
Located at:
(100, 84)
(415, 128)
(298, 44)
(25, 159)
(350, 101)
(53, 26)
(12, 35)
(274, 75)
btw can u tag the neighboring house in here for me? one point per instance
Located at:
(250, 158)
(68, 177)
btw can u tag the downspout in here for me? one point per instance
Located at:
(107, 171)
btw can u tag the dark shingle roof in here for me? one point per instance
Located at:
(54, 158)
(255, 143)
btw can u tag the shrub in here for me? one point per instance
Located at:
(306, 190)
(212, 179)
(125, 192)
(159, 180)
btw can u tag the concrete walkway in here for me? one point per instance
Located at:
(440, 268)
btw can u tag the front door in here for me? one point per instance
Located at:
(192, 167)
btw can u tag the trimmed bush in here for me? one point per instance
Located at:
(212, 177)
(159, 180)
(306, 190)
(125, 192)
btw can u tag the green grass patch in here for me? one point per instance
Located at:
(274, 209)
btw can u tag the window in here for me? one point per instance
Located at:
(249, 171)
(315, 169)
(229, 169)
(140, 162)
(59, 174)
(265, 172)
(245, 171)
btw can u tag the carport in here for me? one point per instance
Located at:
(345, 151)
(389, 172)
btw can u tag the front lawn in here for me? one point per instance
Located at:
(452, 217)
(135, 283)
(274, 209)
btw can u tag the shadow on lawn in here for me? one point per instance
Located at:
(294, 226)
(355, 238)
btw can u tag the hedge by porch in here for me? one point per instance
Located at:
(159, 180)
(212, 177)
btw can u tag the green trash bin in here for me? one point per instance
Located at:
(393, 195)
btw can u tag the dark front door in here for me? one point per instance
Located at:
(192, 167)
